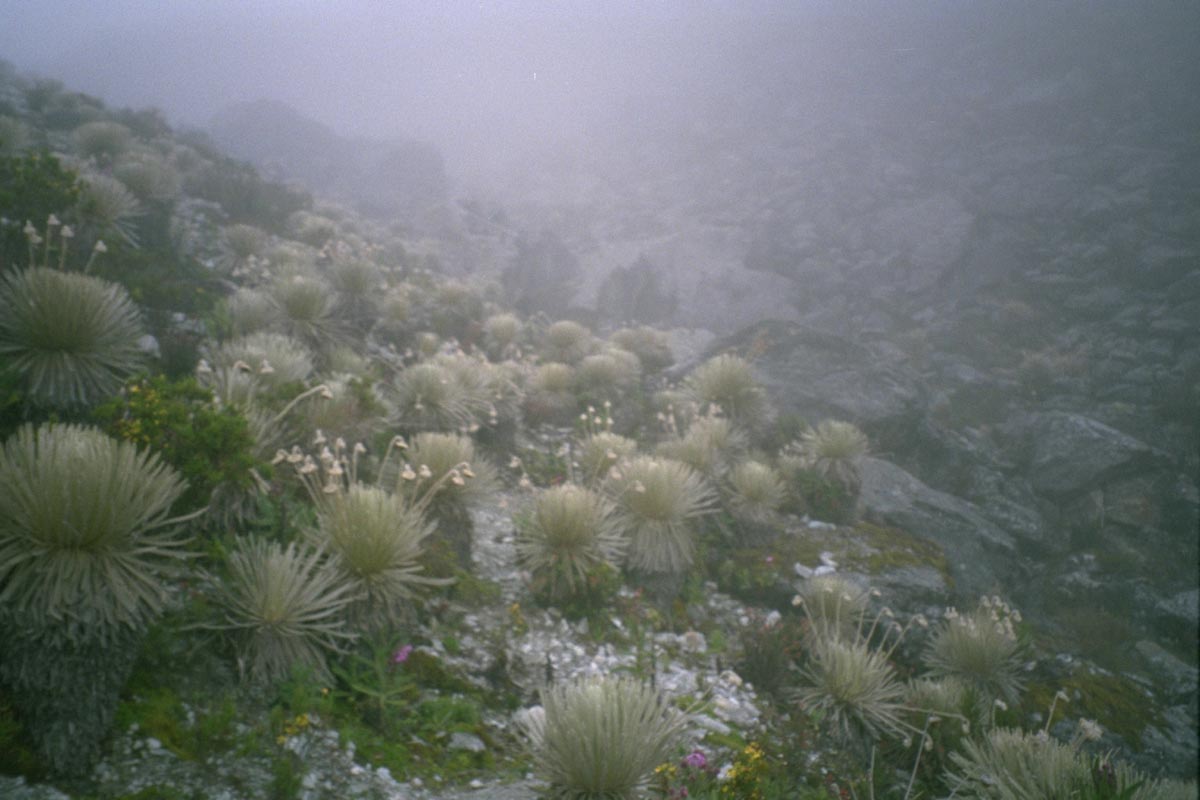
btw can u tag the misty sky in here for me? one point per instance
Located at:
(482, 78)
(462, 74)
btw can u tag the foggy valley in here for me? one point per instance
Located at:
(904, 296)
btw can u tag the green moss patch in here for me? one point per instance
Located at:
(762, 573)
(1118, 703)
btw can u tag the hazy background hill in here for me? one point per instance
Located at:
(378, 178)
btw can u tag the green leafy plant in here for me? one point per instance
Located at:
(657, 500)
(376, 541)
(756, 491)
(211, 446)
(102, 140)
(833, 449)
(249, 311)
(285, 606)
(550, 397)
(239, 245)
(86, 547)
(378, 684)
(445, 475)
(727, 382)
(151, 179)
(1014, 765)
(32, 187)
(274, 359)
(601, 738)
(650, 346)
(107, 207)
(85, 533)
(709, 445)
(566, 342)
(981, 649)
(428, 398)
(570, 532)
(72, 337)
(305, 309)
(501, 333)
(769, 650)
(607, 375)
(834, 606)
(854, 689)
(598, 453)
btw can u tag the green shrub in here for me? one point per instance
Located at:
(833, 449)
(250, 311)
(657, 500)
(108, 209)
(274, 359)
(85, 548)
(32, 187)
(429, 398)
(980, 649)
(243, 195)
(449, 478)
(598, 453)
(305, 309)
(149, 177)
(854, 688)
(376, 541)
(756, 491)
(709, 446)
(501, 333)
(602, 738)
(285, 606)
(566, 342)
(606, 376)
(834, 606)
(728, 383)
(1015, 765)
(571, 532)
(549, 397)
(651, 346)
(102, 140)
(209, 445)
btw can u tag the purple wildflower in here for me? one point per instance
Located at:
(402, 653)
(695, 760)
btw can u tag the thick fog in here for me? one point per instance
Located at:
(970, 227)
(490, 81)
